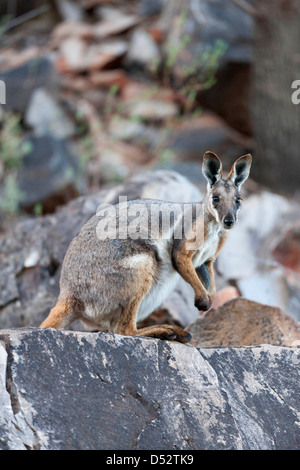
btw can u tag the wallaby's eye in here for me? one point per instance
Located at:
(238, 201)
(216, 199)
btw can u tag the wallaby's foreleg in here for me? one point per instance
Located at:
(210, 267)
(205, 273)
(127, 327)
(207, 276)
(187, 271)
(60, 316)
(212, 287)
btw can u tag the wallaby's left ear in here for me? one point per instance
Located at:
(240, 170)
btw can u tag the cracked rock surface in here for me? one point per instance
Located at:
(74, 390)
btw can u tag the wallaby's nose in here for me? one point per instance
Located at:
(228, 221)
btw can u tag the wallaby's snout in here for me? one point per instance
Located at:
(228, 221)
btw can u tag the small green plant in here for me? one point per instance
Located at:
(12, 146)
(166, 156)
(201, 74)
(38, 209)
(12, 150)
(110, 99)
(175, 47)
(11, 195)
(88, 150)
(198, 65)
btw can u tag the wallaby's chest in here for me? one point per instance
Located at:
(210, 245)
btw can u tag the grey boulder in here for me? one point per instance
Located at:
(72, 390)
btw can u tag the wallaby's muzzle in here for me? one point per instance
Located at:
(228, 222)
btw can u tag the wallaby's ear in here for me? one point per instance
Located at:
(212, 168)
(240, 170)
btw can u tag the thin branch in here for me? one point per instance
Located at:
(197, 12)
(26, 17)
(246, 7)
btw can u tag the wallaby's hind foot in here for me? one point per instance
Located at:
(127, 327)
(60, 316)
(166, 332)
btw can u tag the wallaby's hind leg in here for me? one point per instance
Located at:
(60, 316)
(127, 326)
(170, 332)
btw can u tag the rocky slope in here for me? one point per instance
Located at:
(72, 390)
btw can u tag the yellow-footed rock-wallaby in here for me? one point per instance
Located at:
(127, 258)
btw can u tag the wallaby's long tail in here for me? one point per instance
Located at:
(60, 316)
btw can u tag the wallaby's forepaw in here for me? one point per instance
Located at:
(203, 303)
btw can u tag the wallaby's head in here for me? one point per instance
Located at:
(223, 197)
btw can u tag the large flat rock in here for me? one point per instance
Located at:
(74, 390)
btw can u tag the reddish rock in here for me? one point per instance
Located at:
(69, 29)
(136, 90)
(287, 252)
(77, 56)
(10, 58)
(148, 102)
(103, 29)
(157, 34)
(108, 78)
(118, 25)
(224, 295)
(242, 322)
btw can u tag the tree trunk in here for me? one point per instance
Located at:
(276, 120)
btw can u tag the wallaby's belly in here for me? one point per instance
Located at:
(165, 284)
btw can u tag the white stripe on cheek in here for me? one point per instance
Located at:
(216, 215)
